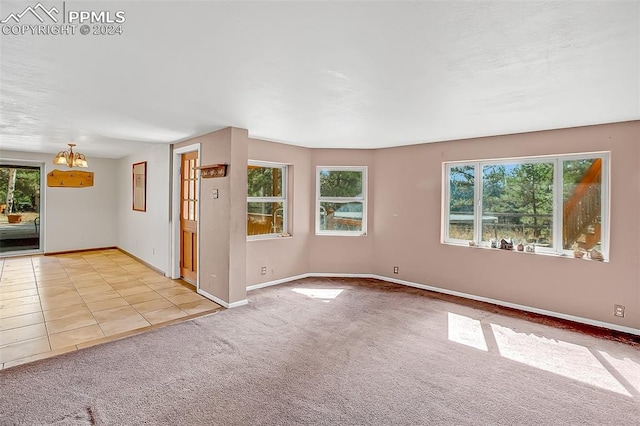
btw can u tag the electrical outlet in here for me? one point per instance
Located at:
(395, 269)
(618, 310)
(263, 270)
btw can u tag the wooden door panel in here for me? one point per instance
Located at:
(188, 218)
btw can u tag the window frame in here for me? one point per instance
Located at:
(557, 203)
(284, 199)
(361, 199)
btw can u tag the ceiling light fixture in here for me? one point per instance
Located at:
(70, 158)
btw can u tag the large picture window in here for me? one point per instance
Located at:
(558, 203)
(266, 199)
(341, 202)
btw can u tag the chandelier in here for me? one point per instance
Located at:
(70, 158)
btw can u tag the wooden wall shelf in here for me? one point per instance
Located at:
(69, 179)
(213, 170)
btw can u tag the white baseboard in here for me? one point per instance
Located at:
(237, 304)
(222, 302)
(525, 308)
(339, 275)
(514, 306)
(276, 282)
(144, 262)
(308, 275)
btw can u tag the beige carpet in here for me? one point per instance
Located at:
(336, 352)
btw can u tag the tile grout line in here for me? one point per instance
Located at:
(112, 288)
(81, 298)
(41, 312)
(128, 273)
(44, 321)
(85, 302)
(48, 335)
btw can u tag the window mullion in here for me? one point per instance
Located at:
(477, 187)
(266, 199)
(558, 205)
(604, 206)
(341, 199)
(447, 202)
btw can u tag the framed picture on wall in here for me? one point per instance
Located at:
(140, 186)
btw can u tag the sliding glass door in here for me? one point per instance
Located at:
(20, 206)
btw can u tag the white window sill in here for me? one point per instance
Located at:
(341, 234)
(567, 255)
(269, 237)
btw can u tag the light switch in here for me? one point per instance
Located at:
(215, 194)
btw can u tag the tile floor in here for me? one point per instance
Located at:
(55, 304)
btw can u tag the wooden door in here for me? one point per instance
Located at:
(188, 217)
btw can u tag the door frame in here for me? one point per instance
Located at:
(43, 196)
(175, 211)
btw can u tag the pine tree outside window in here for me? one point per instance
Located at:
(557, 203)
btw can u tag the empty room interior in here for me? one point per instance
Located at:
(415, 212)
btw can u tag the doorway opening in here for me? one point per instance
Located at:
(20, 205)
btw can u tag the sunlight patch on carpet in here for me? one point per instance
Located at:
(626, 367)
(319, 293)
(466, 331)
(555, 356)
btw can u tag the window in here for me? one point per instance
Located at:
(557, 203)
(341, 204)
(266, 199)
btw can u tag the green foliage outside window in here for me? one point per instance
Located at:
(27, 184)
(461, 181)
(340, 183)
(264, 181)
(521, 196)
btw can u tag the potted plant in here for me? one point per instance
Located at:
(14, 218)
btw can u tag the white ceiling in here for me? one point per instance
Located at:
(318, 74)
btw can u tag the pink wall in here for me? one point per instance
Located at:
(237, 176)
(408, 222)
(306, 252)
(342, 254)
(287, 256)
(404, 223)
(222, 221)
